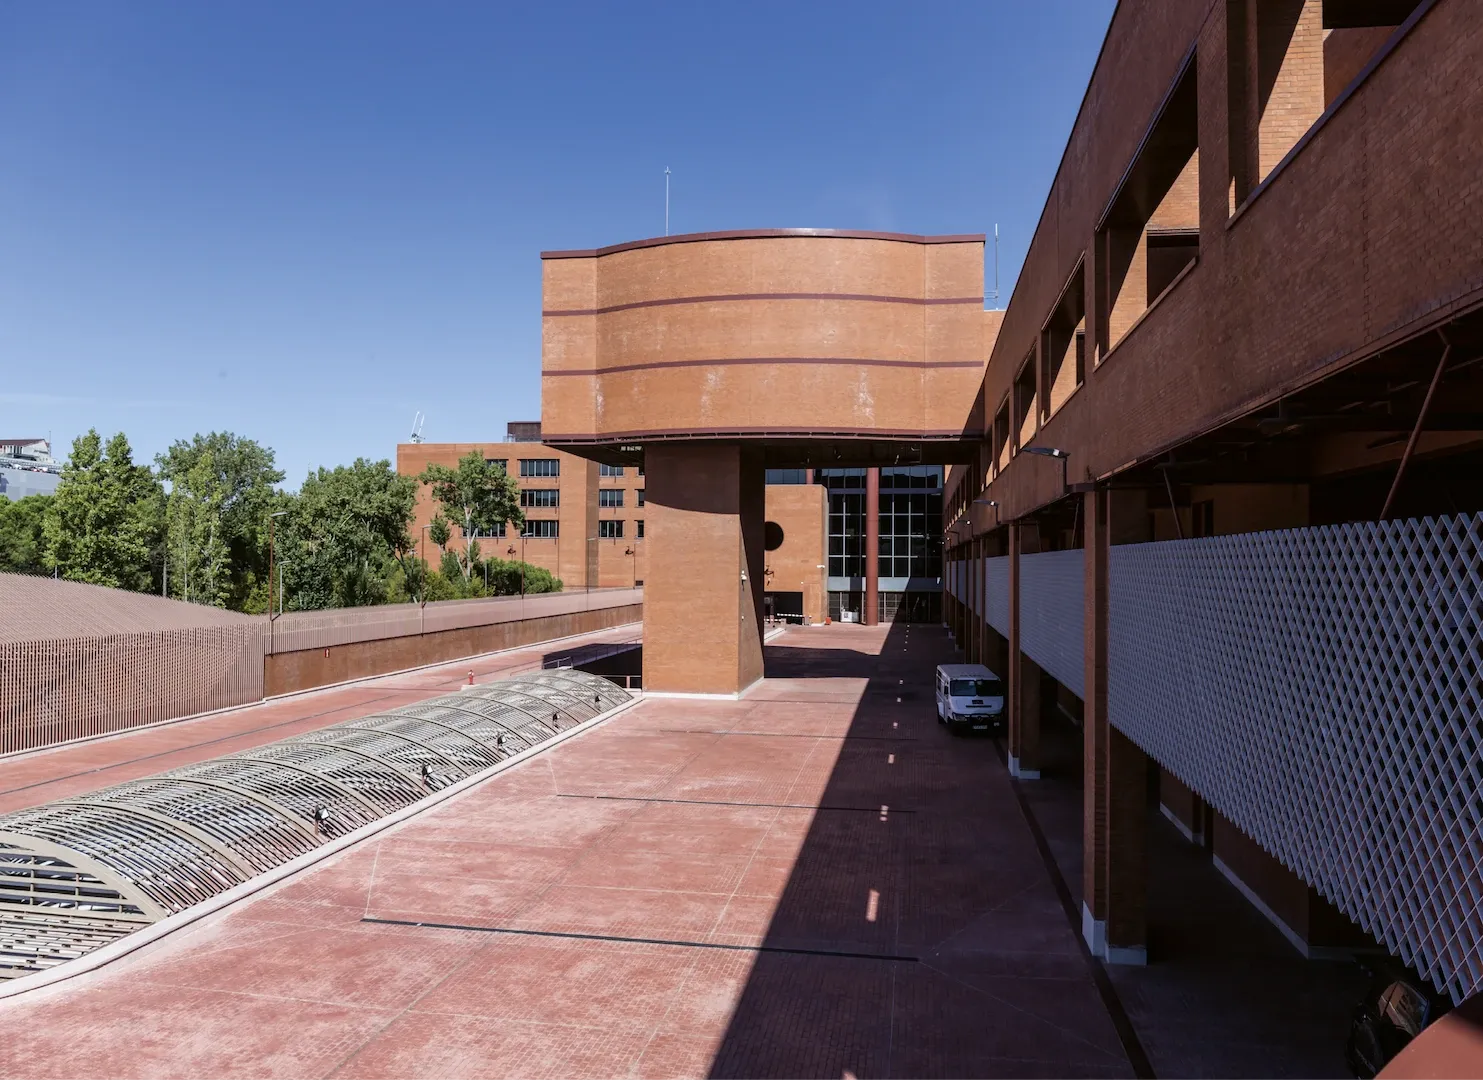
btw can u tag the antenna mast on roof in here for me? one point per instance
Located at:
(666, 200)
(994, 296)
(417, 427)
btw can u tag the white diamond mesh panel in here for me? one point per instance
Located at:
(1051, 626)
(996, 585)
(1051, 605)
(1322, 688)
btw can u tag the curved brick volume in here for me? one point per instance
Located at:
(764, 335)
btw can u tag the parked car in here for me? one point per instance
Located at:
(1398, 1005)
(970, 697)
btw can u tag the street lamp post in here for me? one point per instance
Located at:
(272, 562)
(1052, 452)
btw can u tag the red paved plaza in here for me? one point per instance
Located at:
(816, 880)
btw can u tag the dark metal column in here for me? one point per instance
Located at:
(872, 546)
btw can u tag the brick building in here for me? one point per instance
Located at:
(1212, 476)
(584, 522)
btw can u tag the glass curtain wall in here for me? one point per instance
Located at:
(910, 549)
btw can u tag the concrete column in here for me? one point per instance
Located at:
(703, 596)
(1115, 819)
(872, 546)
(1094, 723)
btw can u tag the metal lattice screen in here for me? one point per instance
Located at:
(1323, 689)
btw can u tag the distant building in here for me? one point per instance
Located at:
(27, 468)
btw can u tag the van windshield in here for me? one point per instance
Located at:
(976, 688)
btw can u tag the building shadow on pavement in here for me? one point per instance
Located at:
(919, 932)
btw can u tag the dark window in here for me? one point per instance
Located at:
(503, 463)
(787, 476)
(610, 530)
(540, 530)
(540, 467)
(638, 529)
(979, 688)
(610, 497)
(540, 497)
(640, 493)
(1169, 252)
(610, 470)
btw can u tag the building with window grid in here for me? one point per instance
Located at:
(583, 521)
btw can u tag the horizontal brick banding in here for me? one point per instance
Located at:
(723, 298)
(553, 438)
(764, 234)
(742, 361)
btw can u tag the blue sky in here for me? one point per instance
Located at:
(305, 222)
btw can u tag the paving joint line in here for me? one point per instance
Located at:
(722, 802)
(678, 942)
(773, 734)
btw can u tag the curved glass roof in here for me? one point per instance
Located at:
(80, 872)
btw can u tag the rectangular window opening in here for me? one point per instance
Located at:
(1287, 61)
(1002, 449)
(1026, 416)
(544, 529)
(638, 529)
(1062, 345)
(1157, 200)
(610, 470)
(610, 530)
(610, 497)
(540, 498)
(540, 467)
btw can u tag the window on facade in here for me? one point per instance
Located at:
(498, 530)
(911, 533)
(610, 530)
(911, 476)
(1063, 345)
(610, 470)
(1022, 399)
(640, 493)
(787, 476)
(503, 463)
(1155, 216)
(638, 529)
(540, 497)
(540, 467)
(610, 497)
(1002, 448)
(1286, 62)
(540, 530)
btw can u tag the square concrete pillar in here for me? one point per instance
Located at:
(703, 596)
(872, 605)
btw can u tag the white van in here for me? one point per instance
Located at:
(970, 697)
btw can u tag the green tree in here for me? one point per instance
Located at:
(345, 534)
(103, 524)
(222, 486)
(479, 495)
(21, 539)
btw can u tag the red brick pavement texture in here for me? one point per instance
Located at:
(816, 880)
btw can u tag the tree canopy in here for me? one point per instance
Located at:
(22, 544)
(342, 534)
(479, 496)
(221, 488)
(103, 524)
